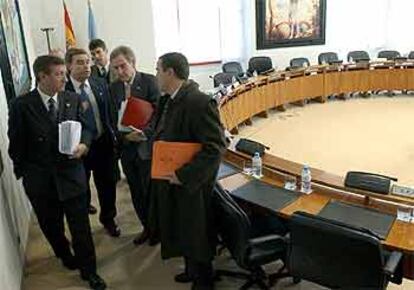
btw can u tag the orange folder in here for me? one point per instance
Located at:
(167, 157)
(137, 113)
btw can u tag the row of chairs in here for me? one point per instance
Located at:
(323, 251)
(262, 64)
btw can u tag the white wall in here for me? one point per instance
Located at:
(370, 25)
(127, 22)
(14, 207)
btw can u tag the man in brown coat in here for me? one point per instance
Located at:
(182, 206)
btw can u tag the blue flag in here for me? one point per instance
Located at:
(91, 22)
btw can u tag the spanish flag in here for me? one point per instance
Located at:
(69, 34)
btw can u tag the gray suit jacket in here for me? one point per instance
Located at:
(145, 87)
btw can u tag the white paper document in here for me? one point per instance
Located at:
(121, 112)
(69, 136)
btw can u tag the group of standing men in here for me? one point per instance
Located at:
(176, 211)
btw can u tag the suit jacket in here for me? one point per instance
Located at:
(33, 145)
(144, 86)
(103, 98)
(109, 77)
(184, 213)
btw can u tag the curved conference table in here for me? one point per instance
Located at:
(318, 82)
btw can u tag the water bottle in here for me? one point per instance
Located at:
(306, 180)
(233, 80)
(257, 165)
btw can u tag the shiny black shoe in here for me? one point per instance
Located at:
(112, 229)
(183, 278)
(153, 241)
(92, 209)
(203, 286)
(95, 282)
(141, 238)
(69, 262)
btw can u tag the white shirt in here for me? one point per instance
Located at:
(176, 92)
(92, 100)
(106, 67)
(46, 98)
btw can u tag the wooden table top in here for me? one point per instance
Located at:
(400, 237)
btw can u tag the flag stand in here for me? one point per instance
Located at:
(47, 31)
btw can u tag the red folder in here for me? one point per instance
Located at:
(137, 113)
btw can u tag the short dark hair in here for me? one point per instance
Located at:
(126, 51)
(43, 63)
(178, 63)
(96, 43)
(73, 52)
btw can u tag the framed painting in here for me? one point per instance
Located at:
(14, 62)
(285, 23)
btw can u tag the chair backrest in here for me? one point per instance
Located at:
(299, 62)
(389, 54)
(333, 254)
(233, 67)
(411, 55)
(327, 57)
(222, 78)
(232, 223)
(358, 55)
(259, 64)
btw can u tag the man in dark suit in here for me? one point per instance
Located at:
(181, 206)
(102, 70)
(55, 183)
(100, 159)
(135, 151)
(100, 57)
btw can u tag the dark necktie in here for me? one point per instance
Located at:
(103, 72)
(160, 125)
(51, 105)
(89, 115)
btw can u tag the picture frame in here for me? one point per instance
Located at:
(14, 63)
(288, 23)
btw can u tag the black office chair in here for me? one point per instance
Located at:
(411, 55)
(233, 67)
(358, 55)
(260, 64)
(222, 78)
(339, 256)
(389, 54)
(328, 57)
(250, 254)
(299, 62)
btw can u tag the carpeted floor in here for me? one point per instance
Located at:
(364, 134)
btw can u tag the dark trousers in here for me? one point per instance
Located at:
(50, 212)
(101, 162)
(201, 272)
(137, 172)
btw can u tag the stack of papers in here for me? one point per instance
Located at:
(69, 136)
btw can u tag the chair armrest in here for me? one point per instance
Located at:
(392, 262)
(268, 241)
